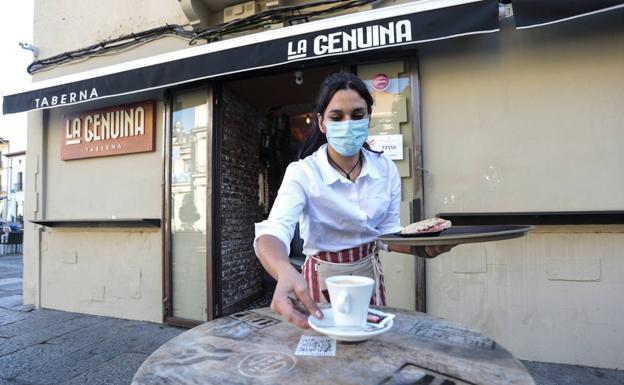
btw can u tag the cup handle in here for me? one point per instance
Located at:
(344, 303)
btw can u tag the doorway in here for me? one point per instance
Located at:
(264, 121)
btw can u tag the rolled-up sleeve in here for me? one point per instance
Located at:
(392, 221)
(286, 210)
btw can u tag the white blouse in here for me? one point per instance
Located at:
(334, 213)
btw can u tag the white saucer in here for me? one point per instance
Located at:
(326, 326)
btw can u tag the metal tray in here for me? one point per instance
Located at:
(457, 235)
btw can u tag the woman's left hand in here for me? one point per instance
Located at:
(420, 251)
(434, 251)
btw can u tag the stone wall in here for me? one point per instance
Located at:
(241, 271)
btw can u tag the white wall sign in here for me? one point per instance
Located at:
(391, 145)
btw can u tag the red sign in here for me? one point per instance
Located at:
(381, 82)
(112, 131)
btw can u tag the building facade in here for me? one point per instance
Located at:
(499, 124)
(4, 187)
(12, 178)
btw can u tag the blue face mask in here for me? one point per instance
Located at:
(347, 137)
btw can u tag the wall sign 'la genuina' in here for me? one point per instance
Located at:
(111, 131)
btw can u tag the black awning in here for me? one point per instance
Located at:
(535, 13)
(378, 30)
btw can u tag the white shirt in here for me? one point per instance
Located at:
(334, 213)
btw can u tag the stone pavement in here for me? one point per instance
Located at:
(49, 347)
(559, 374)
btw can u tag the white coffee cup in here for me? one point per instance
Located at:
(350, 297)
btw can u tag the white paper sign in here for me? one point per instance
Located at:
(316, 346)
(391, 145)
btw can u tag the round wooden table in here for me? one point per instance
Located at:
(257, 347)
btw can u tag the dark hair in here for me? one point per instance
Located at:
(334, 83)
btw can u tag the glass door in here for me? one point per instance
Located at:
(190, 273)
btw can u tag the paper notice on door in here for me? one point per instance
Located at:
(391, 145)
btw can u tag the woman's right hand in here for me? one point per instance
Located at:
(292, 299)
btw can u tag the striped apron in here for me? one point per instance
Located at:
(361, 260)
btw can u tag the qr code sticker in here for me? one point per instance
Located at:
(316, 346)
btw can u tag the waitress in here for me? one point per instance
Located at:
(343, 195)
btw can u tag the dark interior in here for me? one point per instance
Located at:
(265, 120)
(287, 100)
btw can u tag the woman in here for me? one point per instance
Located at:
(344, 196)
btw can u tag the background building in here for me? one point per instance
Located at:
(4, 188)
(15, 167)
(12, 177)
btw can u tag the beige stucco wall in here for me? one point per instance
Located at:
(554, 296)
(125, 186)
(66, 25)
(525, 120)
(114, 272)
(531, 121)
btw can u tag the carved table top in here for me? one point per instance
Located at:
(257, 347)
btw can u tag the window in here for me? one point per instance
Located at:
(19, 210)
(18, 185)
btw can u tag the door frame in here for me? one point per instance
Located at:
(418, 200)
(417, 204)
